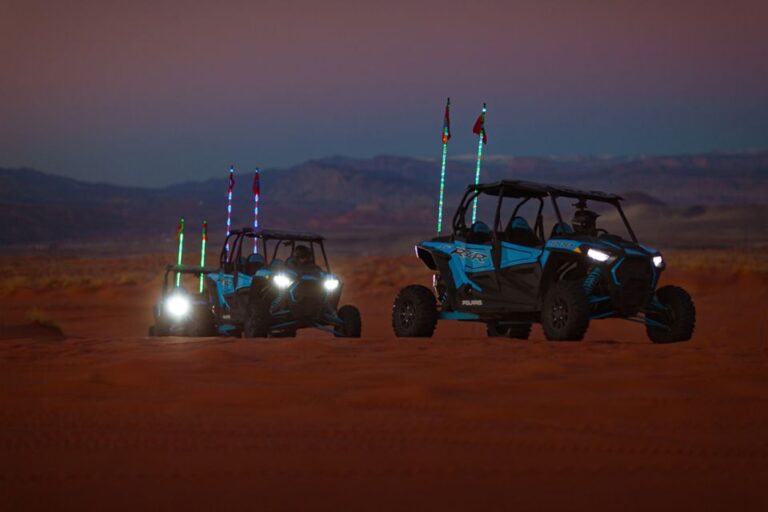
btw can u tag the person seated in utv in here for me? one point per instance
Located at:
(585, 222)
(303, 261)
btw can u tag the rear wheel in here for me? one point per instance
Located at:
(565, 312)
(203, 326)
(257, 320)
(679, 316)
(414, 313)
(351, 324)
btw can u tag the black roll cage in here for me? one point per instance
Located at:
(232, 259)
(615, 202)
(527, 191)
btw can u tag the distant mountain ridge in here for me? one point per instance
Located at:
(349, 195)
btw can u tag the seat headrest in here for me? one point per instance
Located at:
(562, 228)
(519, 223)
(480, 227)
(256, 258)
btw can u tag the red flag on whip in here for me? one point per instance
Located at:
(256, 185)
(479, 127)
(447, 122)
(231, 179)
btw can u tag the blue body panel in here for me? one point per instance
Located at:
(225, 286)
(466, 260)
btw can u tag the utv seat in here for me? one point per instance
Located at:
(253, 263)
(519, 232)
(479, 233)
(561, 228)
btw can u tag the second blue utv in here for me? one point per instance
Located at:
(509, 275)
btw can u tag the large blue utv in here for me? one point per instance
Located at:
(508, 275)
(283, 287)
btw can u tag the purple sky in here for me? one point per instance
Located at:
(156, 92)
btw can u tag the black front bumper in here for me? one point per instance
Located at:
(633, 280)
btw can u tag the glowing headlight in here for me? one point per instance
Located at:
(178, 305)
(658, 261)
(282, 281)
(331, 284)
(598, 255)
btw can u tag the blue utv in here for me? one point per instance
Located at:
(272, 292)
(508, 275)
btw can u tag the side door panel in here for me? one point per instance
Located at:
(520, 274)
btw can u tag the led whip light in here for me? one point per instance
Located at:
(230, 187)
(256, 192)
(202, 251)
(181, 250)
(479, 130)
(446, 137)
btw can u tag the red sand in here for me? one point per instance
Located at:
(109, 419)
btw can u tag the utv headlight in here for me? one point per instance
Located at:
(658, 261)
(598, 255)
(282, 281)
(331, 284)
(178, 305)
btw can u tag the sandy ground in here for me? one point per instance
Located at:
(108, 418)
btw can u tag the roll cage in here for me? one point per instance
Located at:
(527, 191)
(233, 260)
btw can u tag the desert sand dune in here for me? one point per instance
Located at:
(108, 418)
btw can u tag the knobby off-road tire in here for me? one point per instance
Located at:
(680, 316)
(414, 313)
(352, 325)
(515, 331)
(258, 320)
(565, 312)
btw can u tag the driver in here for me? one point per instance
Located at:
(302, 257)
(585, 222)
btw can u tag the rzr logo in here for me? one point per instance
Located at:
(465, 253)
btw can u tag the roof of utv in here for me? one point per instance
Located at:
(272, 234)
(516, 188)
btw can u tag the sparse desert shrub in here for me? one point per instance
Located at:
(40, 317)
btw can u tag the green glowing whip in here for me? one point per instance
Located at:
(479, 130)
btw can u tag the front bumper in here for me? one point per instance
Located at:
(624, 288)
(306, 303)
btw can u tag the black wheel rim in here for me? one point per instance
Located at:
(407, 314)
(559, 313)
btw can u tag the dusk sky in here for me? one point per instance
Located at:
(150, 93)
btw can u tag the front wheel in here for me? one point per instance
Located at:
(257, 320)
(678, 315)
(414, 313)
(565, 312)
(351, 324)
